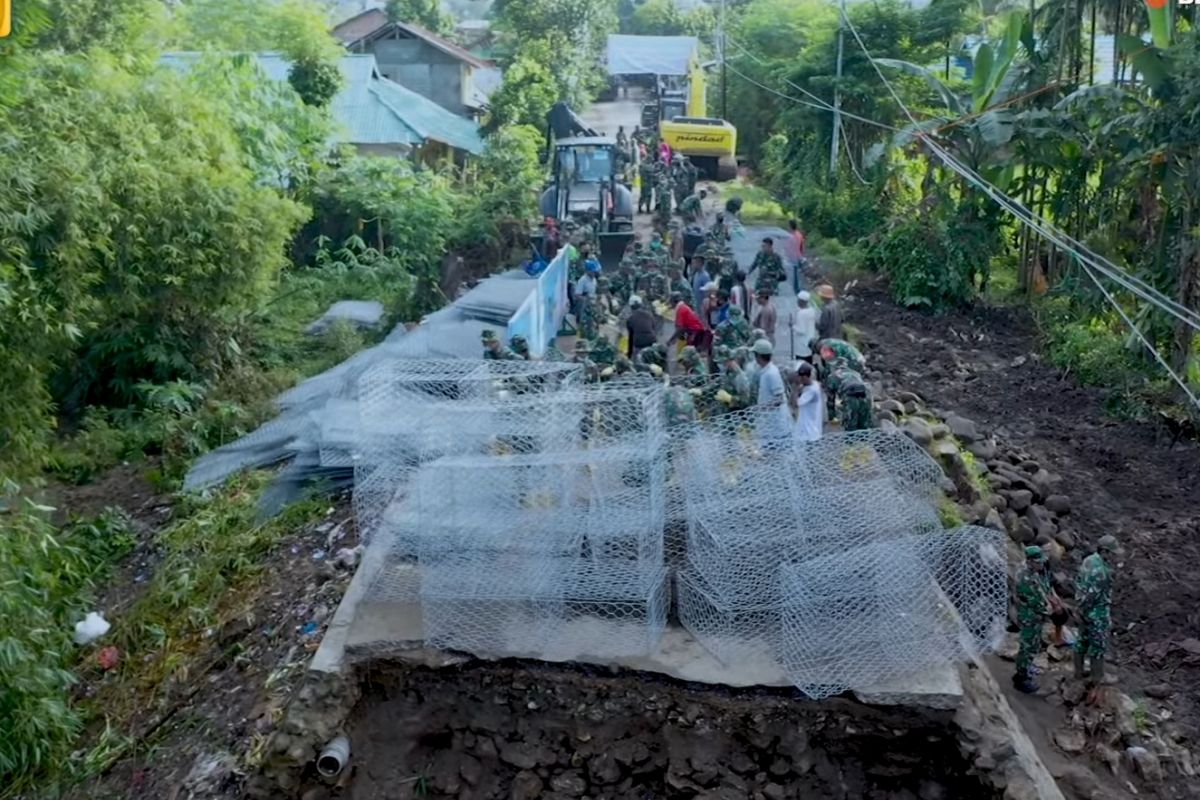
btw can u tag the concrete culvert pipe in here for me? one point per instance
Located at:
(334, 757)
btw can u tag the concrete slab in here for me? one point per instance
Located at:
(365, 629)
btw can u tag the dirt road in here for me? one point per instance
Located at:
(1122, 477)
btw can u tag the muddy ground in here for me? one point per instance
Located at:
(1123, 477)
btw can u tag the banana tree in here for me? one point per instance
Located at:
(976, 129)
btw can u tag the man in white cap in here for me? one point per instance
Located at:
(802, 324)
(774, 420)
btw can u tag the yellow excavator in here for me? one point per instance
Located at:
(678, 109)
(680, 112)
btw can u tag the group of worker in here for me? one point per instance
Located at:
(1037, 601)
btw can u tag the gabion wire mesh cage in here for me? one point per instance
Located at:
(530, 514)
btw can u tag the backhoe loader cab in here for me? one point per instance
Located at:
(585, 187)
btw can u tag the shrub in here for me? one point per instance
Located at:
(925, 263)
(45, 579)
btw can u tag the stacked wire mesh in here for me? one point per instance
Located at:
(524, 510)
(829, 558)
(532, 514)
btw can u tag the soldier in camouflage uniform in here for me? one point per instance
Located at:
(680, 406)
(520, 346)
(602, 351)
(648, 177)
(662, 211)
(591, 372)
(493, 350)
(553, 353)
(1093, 594)
(734, 386)
(677, 284)
(854, 396)
(1033, 606)
(653, 358)
(693, 365)
(839, 352)
(769, 268)
(735, 331)
(692, 207)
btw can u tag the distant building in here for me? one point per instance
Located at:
(422, 61)
(376, 115)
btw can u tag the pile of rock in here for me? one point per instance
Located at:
(994, 486)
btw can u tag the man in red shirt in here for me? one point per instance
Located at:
(688, 326)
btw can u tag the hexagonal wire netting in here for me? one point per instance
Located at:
(532, 514)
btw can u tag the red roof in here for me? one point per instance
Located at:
(374, 23)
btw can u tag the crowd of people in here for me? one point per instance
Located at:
(724, 334)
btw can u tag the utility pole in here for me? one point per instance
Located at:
(721, 58)
(837, 97)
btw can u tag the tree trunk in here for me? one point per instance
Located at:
(1188, 293)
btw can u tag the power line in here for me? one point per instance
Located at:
(993, 191)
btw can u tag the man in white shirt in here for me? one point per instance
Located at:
(810, 417)
(774, 421)
(803, 326)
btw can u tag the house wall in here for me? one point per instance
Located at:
(424, 69)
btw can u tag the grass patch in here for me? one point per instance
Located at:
(759, 207)
(949, 513)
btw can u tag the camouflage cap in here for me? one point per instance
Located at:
(582, 346)
(518, 342)
(689, 355)
(1035, 553)
(736, 312)
(759, 333)
(488, 335)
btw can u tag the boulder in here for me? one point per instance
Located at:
(1044, 483)
(1022, 532)
(1030, 466)
(946, 449)
(894, 406)
(1010, 519)
(984, 449)
(1146, 764)
(569, 783)
(1066, 539)
(911, 408)
(1059, 503)
(1018, 499)
(917, 430)
(1070, 740)
(939, 431)
(908, 397)
(886, 416)
(887, 426)
(526, 786)
(1159, 691)
(993, 521)
(962, 428)
(998, 502)
(998, 481)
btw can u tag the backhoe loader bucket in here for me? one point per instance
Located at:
(612, 248)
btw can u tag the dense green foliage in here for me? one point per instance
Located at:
(427, 13)
(46, 576)
(554, 46)
(665, 18)
(1116, 167)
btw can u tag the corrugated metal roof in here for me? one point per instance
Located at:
(427, 118)
(370, 109)
(374, 22)
(650, 55)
